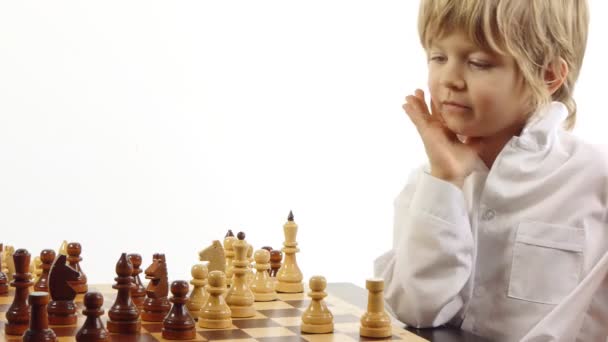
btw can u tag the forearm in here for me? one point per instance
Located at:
(432, 261)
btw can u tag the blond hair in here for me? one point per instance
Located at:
(536, 33)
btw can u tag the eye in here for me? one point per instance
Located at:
(480, 64)
(437, 58)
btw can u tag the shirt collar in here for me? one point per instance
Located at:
(541, 129)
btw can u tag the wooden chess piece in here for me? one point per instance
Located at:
(18, 314)
(138, 292)
(199, 295)
(10, 263)
(289, 275)
(262, 285)
(92, 329)
(63, 249)
(62, 309)
(276, 257)
(229, 254)
(317, 319)
(269, 249)
(249, 263)
(3, 278)
(156, 305)
(375, 322)
(74, 249)
(179, 324)
(47, 256)
(240, 298)
(36, 269)
(39, 321)
(123, 315)
(214, 254)
(215, 314)
(229, 233)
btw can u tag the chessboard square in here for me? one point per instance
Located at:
(159, 337)
(348, 327)
(223, 335)
(345, 310)
(281, 313)
(64, 330)
(255, 323)
(266, 332)
(335, 337)
(290, 296)
(132, 338)
(152, 327)
(257, 315)
(288, 321)
(272, 305)
(346, 318)
(303, 304)
(281, 339)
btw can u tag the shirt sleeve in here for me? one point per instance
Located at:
(432, 255)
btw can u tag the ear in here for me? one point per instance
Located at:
(555, 75)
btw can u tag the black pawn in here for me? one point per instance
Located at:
(39, 321)
(92, 329)
(179, 324)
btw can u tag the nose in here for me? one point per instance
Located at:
(451, 76)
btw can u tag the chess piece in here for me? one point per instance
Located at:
(123, 315)
(375, 322)
(138, 292)
(36, 269)
(199, 295)
(214, 254)
(47, 256)
(229, 254)
(10, 263)
(262, 285)
(215, 314)
(179, 324)
(62, 309)
(229, 233)
(18, 314)
(92, 329)
(74, 249)
(156, 305)
(3, 278)
(240, 298)
(317, 319)
(289, 275)
(276, 257)
(249, 264)
(269, 249)
(39, 322)
(63, 249)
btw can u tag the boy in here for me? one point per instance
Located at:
(505, 232)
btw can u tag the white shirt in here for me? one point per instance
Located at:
(520, 253)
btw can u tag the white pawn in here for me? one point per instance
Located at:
(262, 285)
(215, 314)
(317, 319)
(199, 295)
(375, 322)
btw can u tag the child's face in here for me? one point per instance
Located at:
(478, 93)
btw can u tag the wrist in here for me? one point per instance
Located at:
(457, 181)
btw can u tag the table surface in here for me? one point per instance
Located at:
(358, 296)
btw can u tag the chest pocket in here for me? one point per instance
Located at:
(547, 262)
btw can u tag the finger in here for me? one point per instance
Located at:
(414, 111)
(419, 93)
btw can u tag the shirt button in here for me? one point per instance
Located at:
(488, 215)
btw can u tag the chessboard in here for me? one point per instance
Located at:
(278, 320)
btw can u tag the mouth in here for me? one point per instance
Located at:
(454, 106)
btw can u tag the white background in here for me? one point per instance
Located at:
(156, 126)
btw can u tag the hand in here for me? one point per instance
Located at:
(450, 159)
